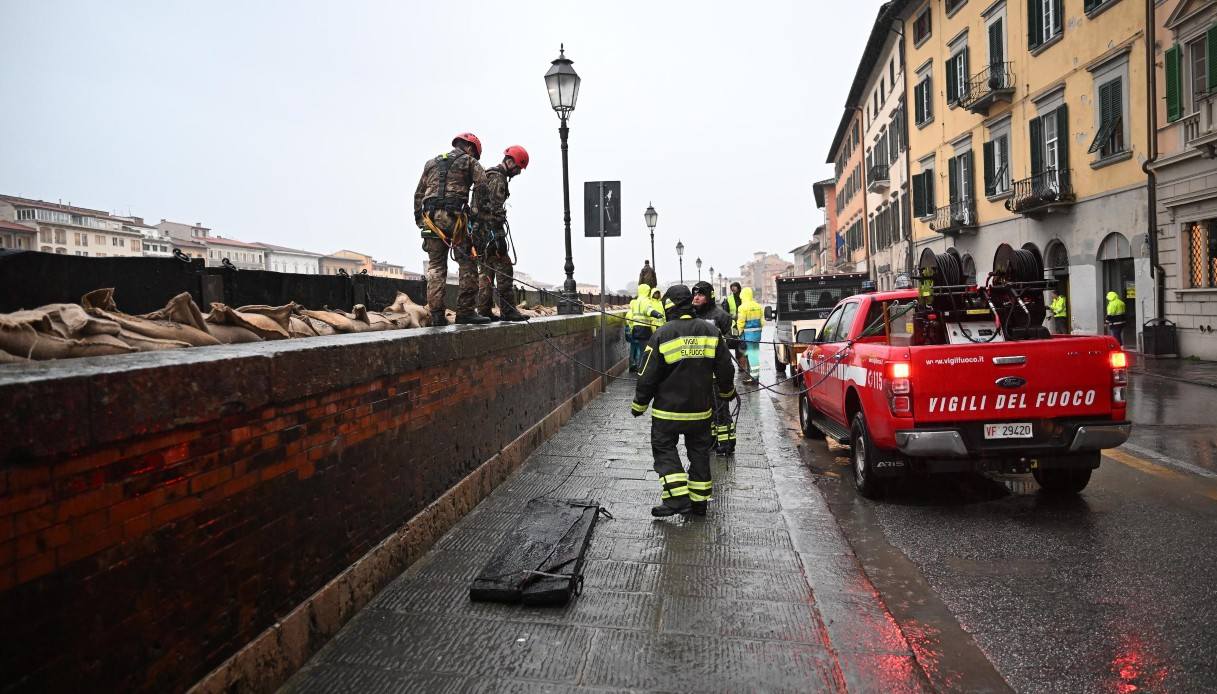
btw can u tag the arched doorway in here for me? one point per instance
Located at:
(1115, 259)
(1056, 267)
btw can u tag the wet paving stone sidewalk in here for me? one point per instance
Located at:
(763, 594)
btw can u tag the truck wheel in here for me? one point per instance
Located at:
(1062, 481)
(806, 413)
(862, 455)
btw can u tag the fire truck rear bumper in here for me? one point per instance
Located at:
(1094, 437)
(931, 444)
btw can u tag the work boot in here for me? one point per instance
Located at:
(438, 319)
(514, 315)
(697, 508)
(663, 510)
(489, 315)
(471, 318)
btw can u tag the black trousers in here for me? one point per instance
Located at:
(681, 488)
(724, 428)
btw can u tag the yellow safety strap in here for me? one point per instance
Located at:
(680, 416)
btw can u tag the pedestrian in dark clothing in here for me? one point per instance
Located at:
(723, 427)
(647, 275)
(680, 365)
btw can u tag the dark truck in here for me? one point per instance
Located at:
(803, 304)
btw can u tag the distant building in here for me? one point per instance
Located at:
(69, 230)
(825, 194)
(155, 242)
(366, 262)
(14, 236)
(283, 259)
(760, 274)
(331, 264)
(190, 239)
(383, 268)
(245, 256)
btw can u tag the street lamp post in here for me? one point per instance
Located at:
(722, 288)
(563, 84)
(652, 217)
(712, 275)
(698, 264)
(680, 257)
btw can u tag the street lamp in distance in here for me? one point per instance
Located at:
(563, 84)
(652, 217)
(680, 257)
(698, 264)
(711, 279)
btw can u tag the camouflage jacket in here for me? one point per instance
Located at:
(490, 198)
(463, 174)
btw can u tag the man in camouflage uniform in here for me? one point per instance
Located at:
(492, 232)
(441, 211)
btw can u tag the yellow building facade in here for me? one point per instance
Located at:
(1027, 127)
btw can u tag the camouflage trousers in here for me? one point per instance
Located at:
(437, 276)
(496, 275)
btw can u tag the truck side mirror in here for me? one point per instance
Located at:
(806, 336)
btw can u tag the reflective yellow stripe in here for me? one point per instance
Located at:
(728, 395)
(638, 408)
(680, 416)
(679, 491)
(674, 477)
(700, 486)
(694, 496)
(646, 362)
(693, 347)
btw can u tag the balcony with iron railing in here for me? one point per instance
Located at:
(1200, 127)
(877, 177)
(987, 87)
(958, 217)
(1042, 193)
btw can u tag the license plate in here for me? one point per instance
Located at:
(1008, 431)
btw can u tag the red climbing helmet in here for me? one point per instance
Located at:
(471, 139)
(518, 154)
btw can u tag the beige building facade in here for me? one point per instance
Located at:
(70, 230)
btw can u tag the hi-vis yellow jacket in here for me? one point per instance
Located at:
(680, 365)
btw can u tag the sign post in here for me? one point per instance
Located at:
(602, 217)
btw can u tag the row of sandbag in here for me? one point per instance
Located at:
(97, 327)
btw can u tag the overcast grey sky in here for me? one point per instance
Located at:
(307, 123)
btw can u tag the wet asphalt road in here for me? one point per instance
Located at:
(1112, 591)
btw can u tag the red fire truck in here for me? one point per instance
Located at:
(951, 377)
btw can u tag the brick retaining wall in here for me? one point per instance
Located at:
(160, 511)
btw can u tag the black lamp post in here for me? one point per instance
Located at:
(680, 255)
(711, 274)
(563, 85)
(652, 217)
(722, 288)
(698, 264)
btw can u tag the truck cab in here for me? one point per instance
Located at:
(803, 304)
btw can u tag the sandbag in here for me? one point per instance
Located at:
(298, 326)
(318, 326)
(100, 303)
(19, 337)
(374, 322)
(144, 343)
(279, 314)
(6, 358)
(337, 321)
(181, 309)
(232, 334)
(70, 320)
(263, 326)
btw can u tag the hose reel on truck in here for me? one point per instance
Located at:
(1009, 306)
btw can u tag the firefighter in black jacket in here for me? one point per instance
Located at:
(680, 365)
(703, 304)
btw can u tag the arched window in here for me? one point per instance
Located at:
(1115, 247)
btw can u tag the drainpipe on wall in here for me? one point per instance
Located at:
(1151, 126)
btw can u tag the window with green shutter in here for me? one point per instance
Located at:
(1035, 33)
(1173, 60)
(1109, 140)
(952, 83)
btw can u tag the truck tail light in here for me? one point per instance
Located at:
(1119, 376)
(899, 389)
